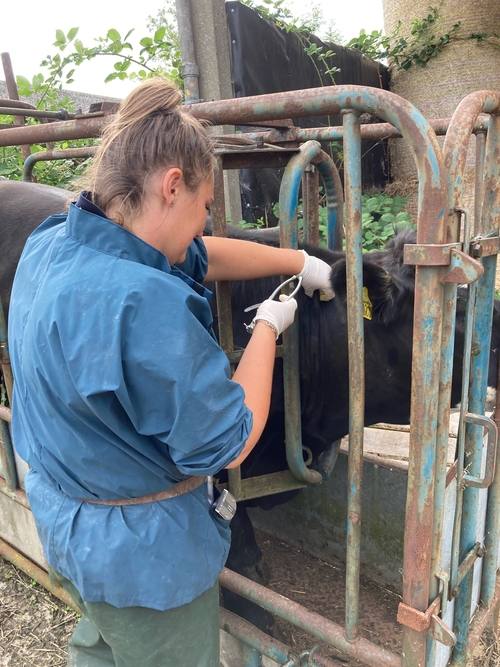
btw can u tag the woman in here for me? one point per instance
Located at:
(123, 403)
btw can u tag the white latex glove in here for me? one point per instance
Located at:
(316, 275)
(279, 314)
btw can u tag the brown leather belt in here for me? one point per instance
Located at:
(187, 485)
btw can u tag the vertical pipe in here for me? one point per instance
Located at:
(7, 457)
(478, 189)
(352, 157)
(310, 199)
(288, 201)
(5, 356)
(223, 296)
(491, 208)
(490, 558)
(479, 373)
(10, 80)
(189, 68)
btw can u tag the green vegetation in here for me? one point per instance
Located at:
(380, 218)
(418, 47)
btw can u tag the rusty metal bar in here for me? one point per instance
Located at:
(267, 485)
(18, 495)
(272, 648)
(352, 178)
(62, 154)
(362, 649)
(36, 573)
(288, 203)
(80, 128)
(36, 113)
(10, 80)
(478, 186)
(369, 132)
(96, 123)
(5, 356)
(427, 337)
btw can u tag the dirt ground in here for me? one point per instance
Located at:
(35, 626)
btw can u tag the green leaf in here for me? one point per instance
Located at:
(118, 66)
(60, 37)
(111, 77)
(72, 34)
(114, 35)
(23, 82)
(387, 217)
(160, 34)
(146, 41)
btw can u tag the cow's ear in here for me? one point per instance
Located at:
(383, 296)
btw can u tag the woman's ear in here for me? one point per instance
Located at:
(171, 184)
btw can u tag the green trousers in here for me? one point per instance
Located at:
(106, 636)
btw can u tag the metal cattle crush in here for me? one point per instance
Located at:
(450, 586)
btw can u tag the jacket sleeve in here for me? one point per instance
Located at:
(177, 385)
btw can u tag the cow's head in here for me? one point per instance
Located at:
(390, 283)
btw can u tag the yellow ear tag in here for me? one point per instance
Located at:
(367, 305)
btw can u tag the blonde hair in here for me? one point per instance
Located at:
(150, 132)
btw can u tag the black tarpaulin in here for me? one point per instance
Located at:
(267, 59)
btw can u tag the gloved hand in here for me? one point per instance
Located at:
(316, 275)
(279, 314)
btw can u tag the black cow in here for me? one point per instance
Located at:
(23, 206)
(324, 372)
(323, 336)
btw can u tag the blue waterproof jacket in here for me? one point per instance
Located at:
(121, 390)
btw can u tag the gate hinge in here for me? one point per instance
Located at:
(427, 621)
(462, 268)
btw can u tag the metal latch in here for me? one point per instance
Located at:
(427, 621)
(462, 268)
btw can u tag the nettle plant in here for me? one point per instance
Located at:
(381, 217)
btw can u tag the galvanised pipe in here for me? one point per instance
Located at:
(189, 69)
(62, 154)
(7, 460)
(288, 203)
(352, 181)
(479, 372)
(362, 649)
